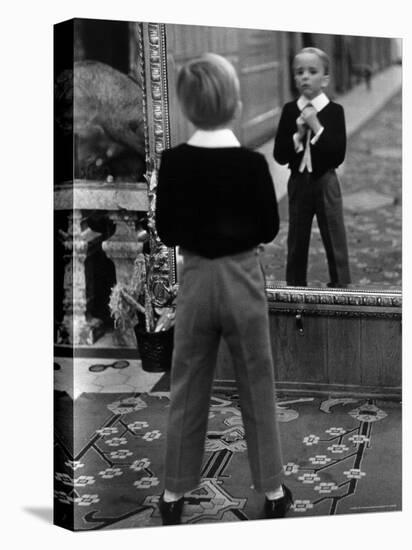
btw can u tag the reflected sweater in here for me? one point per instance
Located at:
(215, 201)
(328, 152)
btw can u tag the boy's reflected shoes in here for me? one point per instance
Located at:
(337, 285)
(279, 507)
(329, 285)
(171, 512)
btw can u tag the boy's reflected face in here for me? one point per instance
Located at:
(310, 77)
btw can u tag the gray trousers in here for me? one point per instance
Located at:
(222, 298)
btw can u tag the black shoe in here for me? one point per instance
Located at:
(337, 285)
(171, 512)
(279, 507)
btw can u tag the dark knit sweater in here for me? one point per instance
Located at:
(215, 201)
(327, 153)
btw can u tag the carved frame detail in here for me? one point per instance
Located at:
(156, 108)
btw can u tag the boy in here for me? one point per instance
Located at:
(311, 138)
(216, 201)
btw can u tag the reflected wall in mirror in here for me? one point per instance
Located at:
(365, 78)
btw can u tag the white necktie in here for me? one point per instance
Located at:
(306, 161)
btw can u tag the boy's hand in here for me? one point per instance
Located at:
(309, 115)
(301, 127)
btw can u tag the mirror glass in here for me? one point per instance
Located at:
(365, 78)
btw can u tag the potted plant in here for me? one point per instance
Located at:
(147, 302)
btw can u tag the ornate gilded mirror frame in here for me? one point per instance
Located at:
(156, 109)
(336, 302)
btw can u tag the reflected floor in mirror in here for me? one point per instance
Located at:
(372, 196)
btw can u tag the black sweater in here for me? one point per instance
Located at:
(215, 201)
(327, 153)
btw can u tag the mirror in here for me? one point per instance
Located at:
(365, 78)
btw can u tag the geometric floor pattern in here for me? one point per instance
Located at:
(341, 456)
(74, 377)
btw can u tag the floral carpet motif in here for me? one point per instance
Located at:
(340, 456)
(372, 198)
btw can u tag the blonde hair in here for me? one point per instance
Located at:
(208, 91)
(320, 53)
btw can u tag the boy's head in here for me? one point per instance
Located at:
(311, 71)
(208, 91)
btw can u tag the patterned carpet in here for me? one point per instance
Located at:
(372, 197)
(340, 456)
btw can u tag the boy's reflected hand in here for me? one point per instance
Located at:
(301, 127)
(309, 115)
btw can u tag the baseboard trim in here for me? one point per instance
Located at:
(320, 389)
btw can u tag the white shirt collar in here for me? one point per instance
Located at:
(224, 137)
(319, 102)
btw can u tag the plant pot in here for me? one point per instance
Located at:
(155, 349)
